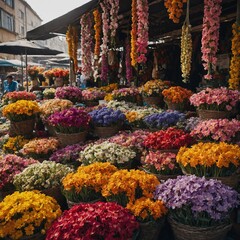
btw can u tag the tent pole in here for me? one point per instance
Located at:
(26, 68)
(22, 68)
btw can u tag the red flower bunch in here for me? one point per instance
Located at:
(171, 138)
(94, 221)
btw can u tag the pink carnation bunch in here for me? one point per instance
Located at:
(74, 94)
(89, 95)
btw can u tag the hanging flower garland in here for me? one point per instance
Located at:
(114, 8)
(210, 34)
(234, 81)
(86, 44)
(128, 62)
(97, 28)
(175, 9)
(134, 34)
(142, 30)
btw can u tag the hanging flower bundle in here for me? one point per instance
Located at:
(175, 9)
(134, 33)
(129, 75)
(234, 81)
(97, 28)
(86, 44)
(210, 34)
(114, 8)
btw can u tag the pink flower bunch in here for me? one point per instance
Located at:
(86, 44)
(210, 34)
(21, 95)
(10, 165)
(95, 94)
(114, 8)
(129, 74)
(223, 130)
(74, 94)
(123, 92)
(142, 30)
(220, 99)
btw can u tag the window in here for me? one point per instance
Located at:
(21, 14)
(22, 30)
(9, 3)
(6, 21)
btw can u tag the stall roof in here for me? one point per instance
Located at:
(160, 25)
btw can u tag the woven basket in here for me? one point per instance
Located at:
(71, 204)
(70, 139)
(176, 106)
(186, 232)
(231, 181)
(210, 114)
(105, 132)
(23, 128)
(153, 101)
(37, 236)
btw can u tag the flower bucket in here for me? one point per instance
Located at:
(91, 103)
(70, 139)
(23, 128)
(105, 132)
(211, 114)
(153, 101)
(186, 232)
(176, 106)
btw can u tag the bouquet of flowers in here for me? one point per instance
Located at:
(92, 95)
(163, 120)
(61, 73)
(161, 163)
(86, 184)
(122, 106)
(126, 187)
(49, 74)
(171, 138)
(153, 88)
(196, 201)
(109, 88)
(72, 120)
(24, 214)
(219, 99)
(73, 94)
(222, 130)
(107, 152)
(210, 159)
(10, 165)
(12, 97)
(33, 71)
(41, 176)
(176, 94)
(14, 144)
(107, 117)
(49, 93)
(54, 105)
(94, 221)
(20, 110)
(40, 147)
(125, 94)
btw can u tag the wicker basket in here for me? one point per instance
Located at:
(105, 132)
(231, 181)
(71, 204)
(210, 114)
(70, 139)
(176, 106)
(186, 232)
(37, 236)
(23, 128)
(153, 101)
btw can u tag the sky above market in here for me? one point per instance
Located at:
(51, 9)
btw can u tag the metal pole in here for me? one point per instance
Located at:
(22, 68)
(26, 68)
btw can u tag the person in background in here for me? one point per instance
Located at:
(9, 85)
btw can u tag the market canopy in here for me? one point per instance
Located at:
(11, 63)
(160, 25)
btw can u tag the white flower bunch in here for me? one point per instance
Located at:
(121, 105)
(106, 152)
(41, 176)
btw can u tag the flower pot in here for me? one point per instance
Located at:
(23, 128)
(154, 101)
(105, 132)
(186, 232)
(211, 114)
(70, 139)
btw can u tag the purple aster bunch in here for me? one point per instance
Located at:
(74, 94)
(72, 120)
(196, 201)
(189, 124)
(164, 120)
(107, 117)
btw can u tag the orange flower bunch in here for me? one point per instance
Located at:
(60, 72)
(49, 73)
(134, 34)
(176, 94)
(175, 9)
(97, 28)
(33, 71)
(234, 81)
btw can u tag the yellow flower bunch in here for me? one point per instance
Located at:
(108, 97)
(54, 105)
(176, 94)
(27, 213)
(154, 88)
(87, 183)
(14, 144)
(186, 51)
(134, 116)
(20, 110)
(146, 209)
(210, 159)
(126, 186)
(109, 88)
(97, 28)
(234, 80)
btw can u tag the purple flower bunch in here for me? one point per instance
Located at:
(164, 120)
(196, 201)
(189, 124)
(72, 120)
(74, 94)
(105, 117)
